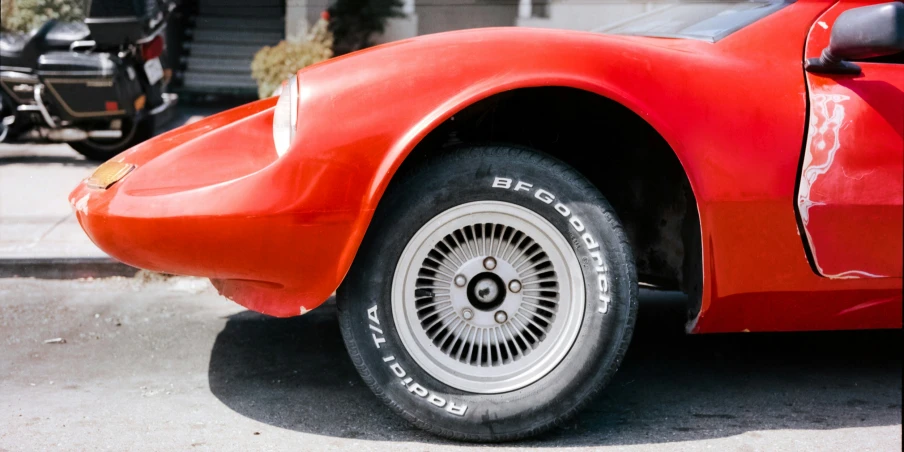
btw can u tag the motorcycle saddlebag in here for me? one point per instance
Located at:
(116, 22)
(85, 86)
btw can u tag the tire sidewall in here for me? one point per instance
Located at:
(527, 179)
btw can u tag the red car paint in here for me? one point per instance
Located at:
(278, 235)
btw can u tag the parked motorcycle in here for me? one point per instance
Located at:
(96, 85)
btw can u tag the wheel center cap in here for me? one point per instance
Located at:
(486, 291)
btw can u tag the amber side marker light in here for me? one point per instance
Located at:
(108, 173)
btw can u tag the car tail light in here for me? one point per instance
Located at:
(152, 49)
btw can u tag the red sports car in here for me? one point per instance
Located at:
(485, 203)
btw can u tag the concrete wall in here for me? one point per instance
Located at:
(435, 16)
(301, 14)
(315, 7)
(586, 15)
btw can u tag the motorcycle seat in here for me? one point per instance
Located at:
(18, 52)
(11, 42)
(63, 34)
(21, 51)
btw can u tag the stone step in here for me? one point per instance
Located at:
(222, 65)
(223, 41)
(243, 11)
(209, 80)
(261, 38)
(210, 50)
(233, 3)
(234, 23)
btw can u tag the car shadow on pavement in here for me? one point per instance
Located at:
(295, 374)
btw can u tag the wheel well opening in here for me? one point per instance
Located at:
(619, 152)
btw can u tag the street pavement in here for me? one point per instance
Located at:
(36, 220)
(152, 364)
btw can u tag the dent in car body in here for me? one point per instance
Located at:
(823, 142)
(851, 187)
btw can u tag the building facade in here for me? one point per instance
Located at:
(221, 36)
(435, 16)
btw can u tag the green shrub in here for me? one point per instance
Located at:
(272, 65)
(24, 15)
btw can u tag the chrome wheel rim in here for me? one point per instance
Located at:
(488, 297)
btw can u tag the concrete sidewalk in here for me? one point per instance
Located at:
(38, 229)
(36, 221)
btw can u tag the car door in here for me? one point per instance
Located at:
(850, 190)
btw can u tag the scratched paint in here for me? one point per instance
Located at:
(82, 204)
(827, 115)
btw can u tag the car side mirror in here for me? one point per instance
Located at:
(861, 33)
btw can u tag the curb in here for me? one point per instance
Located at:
(64, 268)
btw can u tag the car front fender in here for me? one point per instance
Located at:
(367, 111)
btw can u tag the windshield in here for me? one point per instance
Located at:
(700, 19)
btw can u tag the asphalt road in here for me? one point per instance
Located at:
(154, 364)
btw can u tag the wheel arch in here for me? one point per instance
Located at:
(558, 118)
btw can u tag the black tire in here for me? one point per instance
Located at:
(103, 150)
(452, 179)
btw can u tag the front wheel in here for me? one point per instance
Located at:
(493, 296)
(101, 150)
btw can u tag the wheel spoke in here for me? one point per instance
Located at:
(441, 263)
(451, 311)
(536, 306)
(473, 241)
(447, 281)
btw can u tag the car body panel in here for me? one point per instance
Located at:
(207, 200)
(280, 238)
(852, 177)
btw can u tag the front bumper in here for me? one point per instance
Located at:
(211, 199)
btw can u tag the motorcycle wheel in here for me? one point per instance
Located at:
(102, 150)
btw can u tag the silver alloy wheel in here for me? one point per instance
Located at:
(488, 297)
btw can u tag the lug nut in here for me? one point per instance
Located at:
(500, 317)
(467, 314)
(489, 263)
(515, 286)
(460, 280)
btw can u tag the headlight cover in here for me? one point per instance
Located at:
(285, 116)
